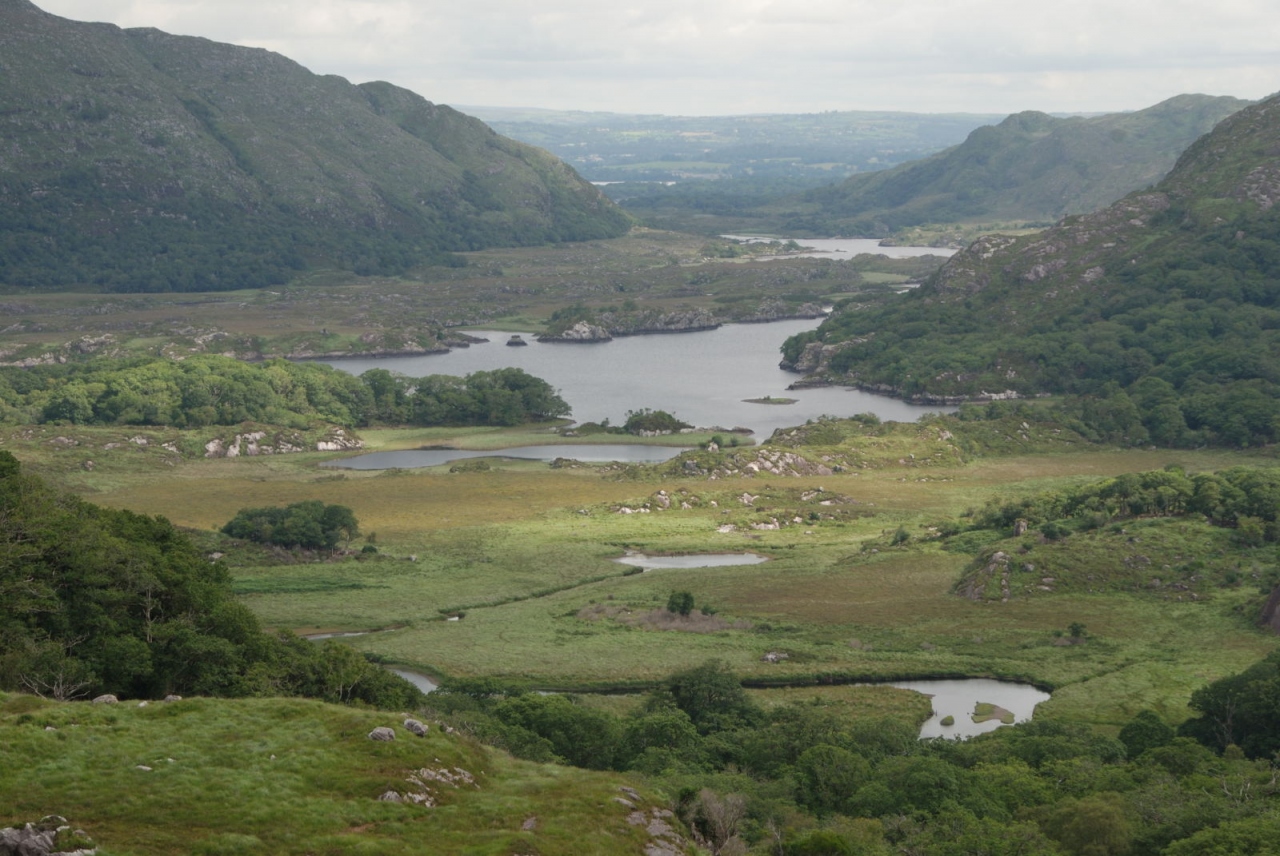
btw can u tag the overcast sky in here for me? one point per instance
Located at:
(713, 57)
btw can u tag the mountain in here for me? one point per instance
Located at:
(1030, 167)
(1166, 303)
(135, 160)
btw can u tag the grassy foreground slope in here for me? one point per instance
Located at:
(219, 776)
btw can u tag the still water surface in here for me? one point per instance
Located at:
(846, 248)
(958, 698)
(690, 560)
(702, 378)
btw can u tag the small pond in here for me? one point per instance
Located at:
(595, 453)
(418, 679)
(342, 634)
(692, 560)
(959, 698)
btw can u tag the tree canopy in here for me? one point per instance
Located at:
(215, 390)
(96, 600)
(310, 524)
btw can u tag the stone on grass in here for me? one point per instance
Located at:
(382, 734)
(413, 726)
(107, 698)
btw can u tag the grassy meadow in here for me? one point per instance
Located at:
(521, 557)
(214, 777)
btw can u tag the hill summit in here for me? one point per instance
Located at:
(135, 160)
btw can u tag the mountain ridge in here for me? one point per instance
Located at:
(111, 132)
(1029, 167)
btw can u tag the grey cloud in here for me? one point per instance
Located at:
(721, 56)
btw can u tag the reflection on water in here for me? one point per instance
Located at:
(418, 679)
(412, 458)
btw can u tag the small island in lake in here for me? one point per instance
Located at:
(769, 399)
(985, 712)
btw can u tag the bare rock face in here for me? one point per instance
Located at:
(382, 734)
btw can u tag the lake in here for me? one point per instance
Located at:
(847, 248)
(702, 378)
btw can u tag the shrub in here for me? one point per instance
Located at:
(310, 524)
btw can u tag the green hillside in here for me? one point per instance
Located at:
(1030, 167)
(134, 160)
(1162, 307)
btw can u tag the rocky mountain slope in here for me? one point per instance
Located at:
(142, 161)
(1030, 167)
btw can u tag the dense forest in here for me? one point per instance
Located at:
(214, 390)
(97, 600)
(746, 776)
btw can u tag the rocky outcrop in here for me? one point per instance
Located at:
(991, 576)
(49, 835)
(764, 460)
(426, 784)
(337, 440)
(580, 332)
(252, 444)
(816, 357)
(776, 310)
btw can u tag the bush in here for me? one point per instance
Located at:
(310, 524)
(645, 421)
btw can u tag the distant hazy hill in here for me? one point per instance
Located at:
(137, 160)
(623, 147)
(1030, 167)
(1167, 301)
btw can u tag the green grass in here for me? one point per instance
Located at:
(524, 549)
(286, 776)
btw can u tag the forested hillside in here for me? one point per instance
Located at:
(134, 160)
(1161, 310)
(1030, 167)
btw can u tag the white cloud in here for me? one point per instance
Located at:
(716, 56)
